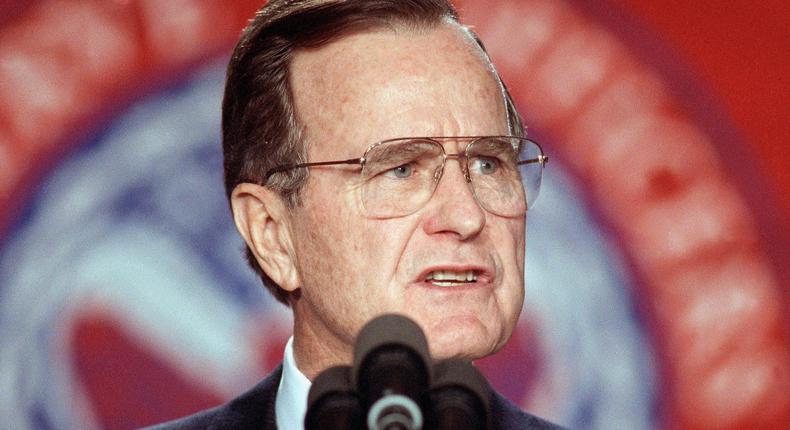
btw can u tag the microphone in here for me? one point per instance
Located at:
(391, 373)
(332, 402)
(460, 397)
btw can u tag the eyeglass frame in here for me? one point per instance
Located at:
(543, 159)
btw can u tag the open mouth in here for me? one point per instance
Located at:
(449, 278)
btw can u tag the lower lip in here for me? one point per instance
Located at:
(465, 286)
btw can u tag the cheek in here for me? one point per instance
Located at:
(511, 236)
(517, 232)
(520, 244)
(336, 238)
(385, 242)
(512, 250)
(322, 227)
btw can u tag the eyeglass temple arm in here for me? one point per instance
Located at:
(542, 159)
(288, 167)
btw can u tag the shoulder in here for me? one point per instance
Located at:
(506, 416)
(250, 410)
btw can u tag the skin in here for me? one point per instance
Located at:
(344, 268)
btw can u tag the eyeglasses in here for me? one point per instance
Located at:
(399, 176)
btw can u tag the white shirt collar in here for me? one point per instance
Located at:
(290, 405)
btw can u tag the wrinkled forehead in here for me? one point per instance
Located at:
(396, 82)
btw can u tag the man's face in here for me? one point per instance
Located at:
(385, 84)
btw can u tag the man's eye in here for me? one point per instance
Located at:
(486, 165)
(403, 171)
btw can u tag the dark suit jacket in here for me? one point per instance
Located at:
(255, 410)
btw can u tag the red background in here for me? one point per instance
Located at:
(741, 50)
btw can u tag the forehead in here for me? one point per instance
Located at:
(394, 83)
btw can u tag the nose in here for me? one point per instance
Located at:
(453, 208)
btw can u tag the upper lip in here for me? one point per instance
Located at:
(483, 273)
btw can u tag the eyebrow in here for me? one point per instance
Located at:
(404, 149)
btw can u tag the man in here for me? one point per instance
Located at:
(346, 215)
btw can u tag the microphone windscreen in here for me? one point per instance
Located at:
(390, 330)
(458, 372)
(460, 396)
(333, 380)
(332, 402)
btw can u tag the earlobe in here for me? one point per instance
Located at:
(261, 218)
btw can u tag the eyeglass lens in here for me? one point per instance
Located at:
(400, 176)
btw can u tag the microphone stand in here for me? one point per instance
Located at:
(393, 386)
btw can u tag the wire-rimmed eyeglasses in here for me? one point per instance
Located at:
(399, 176)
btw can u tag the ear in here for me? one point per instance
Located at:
(261, 218)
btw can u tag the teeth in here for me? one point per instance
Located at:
(443, 276)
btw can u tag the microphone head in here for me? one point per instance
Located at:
(460, 395)
(332, 402)
(461, 373)
(388, 331)
(332, 380)
(392, 372)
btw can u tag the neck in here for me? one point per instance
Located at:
(317, 349)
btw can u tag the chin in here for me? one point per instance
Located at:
(466, 338)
